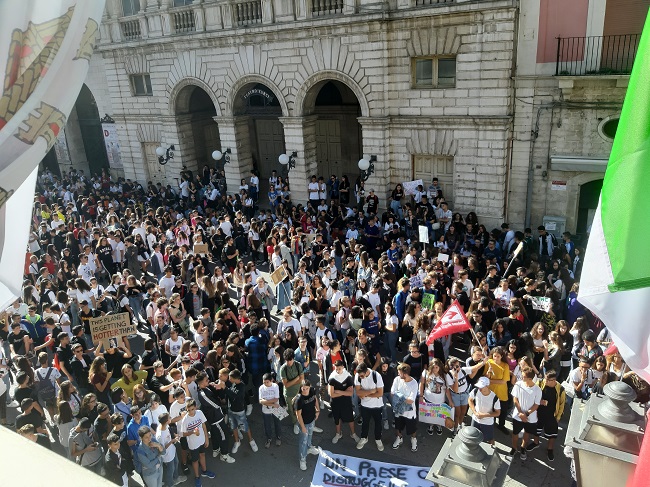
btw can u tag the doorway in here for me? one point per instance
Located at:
(587, 205)
(427, 167)
(92, 134)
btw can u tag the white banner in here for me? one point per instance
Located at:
(423, 234)
(333, 470)
(45, 48)
(410, 187)
(112, 145)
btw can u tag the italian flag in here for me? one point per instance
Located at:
(615, 282)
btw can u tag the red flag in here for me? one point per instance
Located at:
(639, 478)
(611, 350)
(453, 321)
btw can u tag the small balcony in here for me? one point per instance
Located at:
(596, 55)
(131, 29)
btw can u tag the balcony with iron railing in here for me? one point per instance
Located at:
(596, 55)
(187, 17)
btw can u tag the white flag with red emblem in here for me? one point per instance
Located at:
(453, 321)
(45, 49)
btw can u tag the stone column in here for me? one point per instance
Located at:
(235, 135)
(300, 136)
(375, 132)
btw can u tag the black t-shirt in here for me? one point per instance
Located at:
(417, 365)
(148, 359)
(17, 341)
(342, 386)
(79, 371)
(33, 417)
(306, 405)
(105, 254)
(64, 355)
(155, 383)
(43, 440)
(85, 318)
(24, 393)
(549, 394)
(371, 347)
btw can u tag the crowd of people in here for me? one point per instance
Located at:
(341, 335)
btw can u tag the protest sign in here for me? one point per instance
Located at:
(416, 281)
(279, 413)
(423, 234)
(200, 249)
(278, 275)
(444, 258)
(439, 414)
(109, 326)
(428, 300)
(410, 187)
(333, 470)
(541, 303)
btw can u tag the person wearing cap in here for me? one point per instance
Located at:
(485, 406)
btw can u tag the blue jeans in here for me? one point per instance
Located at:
(136, 305)
(387, 410)
(304, 440)
(155, 479)
(391, 344)
(170, 472)
(397, 209)
(271, 421)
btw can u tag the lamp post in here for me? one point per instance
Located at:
(288, 160)
(367, 166)
(605, 433)
(466, 461)
(165, 154)
(217, 155)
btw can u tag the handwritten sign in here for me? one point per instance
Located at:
(279, 413)
(423, 233)
(410, 187)
(428, 301)
(416, 281)
(200, 249)
(444, 258)
(279, 275)
(110, 326)
(340, 470)
(541, 303)
(432, 413)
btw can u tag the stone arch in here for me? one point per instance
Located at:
(251, 79)
(181, 98)
(306, 95)
(189, 69)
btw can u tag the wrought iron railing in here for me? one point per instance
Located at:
(596, 55)
(432, 2)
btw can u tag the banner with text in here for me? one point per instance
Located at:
(333, 470)
(440, 414)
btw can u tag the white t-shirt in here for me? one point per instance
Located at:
(463, 384)
(152, 414)
(576, 376)
(373, 381)
(284, 325)
(175, 346)
(164, 437)
(167, 284)
(485, 404)
(176, 409)
(190, 424)
(528, 397)
(410, 391)
(434, 389)
(269, 394)
(313, 191)
(41, 373)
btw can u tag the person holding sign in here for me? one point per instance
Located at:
(433, 388)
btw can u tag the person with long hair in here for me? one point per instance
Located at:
(130, 378)
(65, 422)
(433, 388)
(457, 380)
(100, 379)
(497, 370)
(69, 394)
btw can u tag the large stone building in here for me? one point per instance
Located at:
(443, 88)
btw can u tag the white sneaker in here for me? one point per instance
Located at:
(386, 425)
(336, 438)
(215, 453)
(414, 444)
(296, 429)
(235, 447)
(254, 445)
(303, 464)
(180, 479)
(227, 458)
(361, 443)
(397, 443)
(355, 437)
(380, 445)
(317, 429)
(249, 409)
(313, 451)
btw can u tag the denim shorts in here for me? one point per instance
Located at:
(459, 398)
(238, 419)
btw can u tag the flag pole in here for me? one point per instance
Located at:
(514, 256)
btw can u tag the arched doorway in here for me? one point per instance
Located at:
(338, 132)
(587, 204)
(90, 130)
(261, 108)
(194, 111)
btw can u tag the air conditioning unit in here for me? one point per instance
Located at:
(555, 225)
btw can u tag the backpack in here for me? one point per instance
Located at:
(494, 400)
(374, 377)
(44, 387)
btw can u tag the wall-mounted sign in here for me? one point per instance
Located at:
(558, 185)
(257, 91)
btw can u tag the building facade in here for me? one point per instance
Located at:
(426, 86)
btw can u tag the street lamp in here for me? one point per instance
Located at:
(605, 433)
(288, 160)
(367, 166)
(466, 461)
(217, 155)
(165, 154)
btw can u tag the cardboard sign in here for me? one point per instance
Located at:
(443, 258)
(105, 327)
(278, 275)
(431, 413)
(423, 232)
(416, 281)
(428, 301)
(337, 470)
(201, 249)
